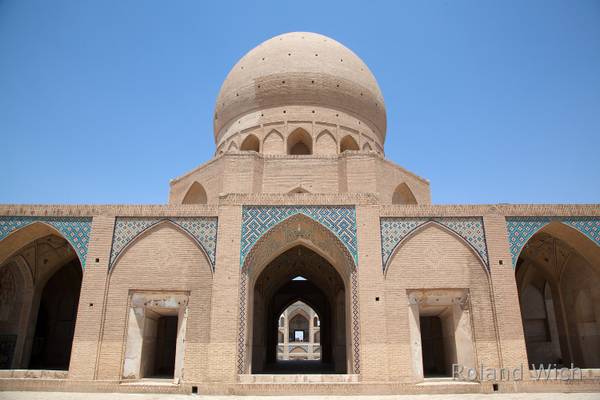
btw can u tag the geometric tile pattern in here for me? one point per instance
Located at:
(340, 220)
(202, 229)
(75, 229)
(394, 229)
(521, 229)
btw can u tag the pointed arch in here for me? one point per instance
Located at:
(273, 143)
(232, 146)
(348, 143)
(299, 229)
(298, 189)
(195, 194)
(367, 147)
(299, 142)
(30, 232)
(154, 227)
(557, 228)
(325, 143)
(443, 228)
(403, 195)
(250, 143)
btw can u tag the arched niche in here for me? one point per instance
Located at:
(403, 195)
(162, 276)
(348, 143)
(558, 280)
(195, 195)
(367, 147)
(273, 143)
(40, 311)
(299, 142)
(250, 143)
(232, 146)
(325, 143)
(445, 282)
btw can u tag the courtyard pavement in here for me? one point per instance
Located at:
(123, 396)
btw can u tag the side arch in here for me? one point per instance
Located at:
(403, 195)
(444, 228)
(114, 261)
(232, 146)
(250, 143)
(348, 143)
(29, 232)
(325, 143)
(196, 194)
(273, 143)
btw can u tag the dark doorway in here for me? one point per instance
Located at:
(323, 290)
(432, 342)
(166, 344)
(56, 319)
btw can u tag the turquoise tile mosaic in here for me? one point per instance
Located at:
(202, 229)
(76, 230)
(521, 229)
(394, 229)
(257, 220)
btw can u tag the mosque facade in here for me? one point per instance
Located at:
(299, 260)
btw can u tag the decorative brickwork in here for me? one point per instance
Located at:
(340, 220)
(257, 224)
(394, 230)
(521, 229)
(75, 229)
(202, 229)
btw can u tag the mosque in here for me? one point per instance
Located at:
(299, 260)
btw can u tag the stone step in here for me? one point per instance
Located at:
(297, 378)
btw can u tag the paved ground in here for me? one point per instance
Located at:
(120, 396)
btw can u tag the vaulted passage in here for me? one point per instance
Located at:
(558, 279)
(301, 285)
(39, 296)
(56, 319)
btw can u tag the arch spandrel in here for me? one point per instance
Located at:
(395, 230)
(18, 231)
(203, 231)
(339, 221)
(299, 229)
(521, 229)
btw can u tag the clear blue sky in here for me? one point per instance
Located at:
(105, 101)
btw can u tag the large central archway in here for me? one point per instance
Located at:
(321, 287)
(298, 247)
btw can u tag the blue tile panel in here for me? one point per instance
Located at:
(257, 220)
(202, 229)
(521, 229)
(393, 230)
(76, 230)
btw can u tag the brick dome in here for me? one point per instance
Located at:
(300, 69)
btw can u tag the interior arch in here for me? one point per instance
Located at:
(38, 319)
(250, 143)
(348, 143)
(558, 281)
(195, 195)
(299, 142)
(403, 195)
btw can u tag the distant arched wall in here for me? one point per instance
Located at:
(348, 143)
(250, 143)
(325, 143)
(195, 195)
(299, 142)
(403, 195)
(163, 258)
(433, 257)
(273, 143)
